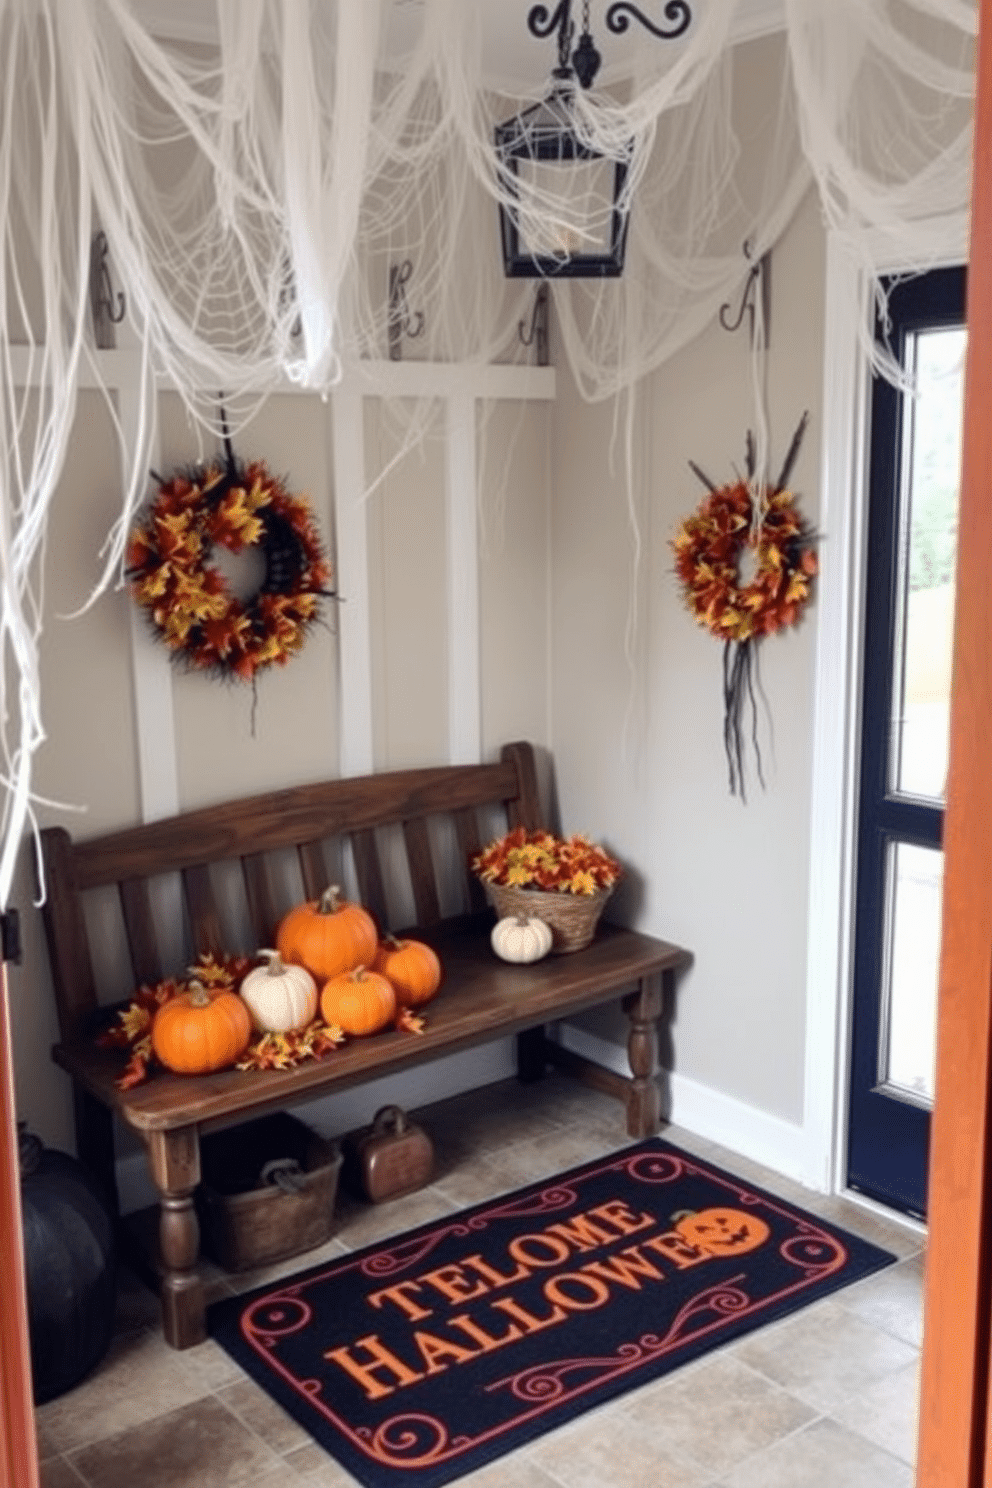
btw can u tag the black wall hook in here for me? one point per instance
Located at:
(106, 308)
(758, 282)
(401, 323)
(536, 334)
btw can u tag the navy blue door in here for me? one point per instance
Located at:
(912, 541)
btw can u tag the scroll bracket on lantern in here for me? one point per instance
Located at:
(758, 282)
(401, 322)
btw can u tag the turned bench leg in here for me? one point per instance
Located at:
(174, 1160)
(643, 1008)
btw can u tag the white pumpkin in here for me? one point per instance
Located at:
(521, 938)
(281, 998)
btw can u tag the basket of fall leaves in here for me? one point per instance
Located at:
(564, 881)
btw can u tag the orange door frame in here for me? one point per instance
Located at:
(955, 1446)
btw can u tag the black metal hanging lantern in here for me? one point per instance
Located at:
(566, 216)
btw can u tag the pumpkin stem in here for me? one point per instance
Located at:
(392, 942)
(276, 966)
(199, 997)
(330, 900)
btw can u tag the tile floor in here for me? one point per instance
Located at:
(823, 1399)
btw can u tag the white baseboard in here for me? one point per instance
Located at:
(709, 1113)
(334, 1115)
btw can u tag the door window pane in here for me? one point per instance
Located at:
(928, 549)
(915, 880)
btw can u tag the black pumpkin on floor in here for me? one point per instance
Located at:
(70, 1263)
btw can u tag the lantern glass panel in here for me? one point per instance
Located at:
(575, 211)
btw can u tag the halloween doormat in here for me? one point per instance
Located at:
(419, 1359)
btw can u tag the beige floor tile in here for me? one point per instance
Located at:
(887, 1413)
(315, 1468)
(263, 1415)
(892, 1234)
(824, 1355)
(139, 1378)
(716, 1413)
(891, 1299)
(822, 1455)
(46, 1447)
(199, 1446)
(516, 1470)
(364, 1224)
(522, 1163)
(607, 1450)
(247, 1281)
(58, 1473)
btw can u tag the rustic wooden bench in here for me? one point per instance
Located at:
(404, 840)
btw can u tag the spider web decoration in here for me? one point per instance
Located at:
(255, 187)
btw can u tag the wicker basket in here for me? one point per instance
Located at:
(571, 917)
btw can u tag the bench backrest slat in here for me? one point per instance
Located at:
(139, 925)
(368, 871)
(395, 834)
(262, 909)
(418, 848)
(204, 917)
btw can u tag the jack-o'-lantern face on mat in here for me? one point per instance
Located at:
(720, 1232)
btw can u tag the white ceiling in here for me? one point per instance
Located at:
(512, 55)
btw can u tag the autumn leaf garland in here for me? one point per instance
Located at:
(266, 1051)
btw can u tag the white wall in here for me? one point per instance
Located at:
(639, 754)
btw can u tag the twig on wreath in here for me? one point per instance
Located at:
(702, 476)
(790, 458)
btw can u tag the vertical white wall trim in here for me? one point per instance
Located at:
(151, 669)
(464, 680)
(352, 581)
(840, 603)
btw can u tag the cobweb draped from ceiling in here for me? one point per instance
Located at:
(256, 186)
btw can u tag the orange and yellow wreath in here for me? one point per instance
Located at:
(709, 547)
(188, 601)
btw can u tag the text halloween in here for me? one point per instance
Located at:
(459, 1337)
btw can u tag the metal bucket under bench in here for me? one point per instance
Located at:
(409, 836)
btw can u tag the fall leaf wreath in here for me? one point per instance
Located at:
(133, 1028)
(729, 522)
(188, 600)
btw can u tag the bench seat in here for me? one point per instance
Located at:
(481, 997)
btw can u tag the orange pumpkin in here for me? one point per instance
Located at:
(411, 966)
(198, 1031)
(359, 1001)
(327, 936)
(719, 1232)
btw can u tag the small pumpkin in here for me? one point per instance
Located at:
(281, 998)
(521, 938)
(198, 1031)
(328, 935)
(411, 966)
(358, 1001)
